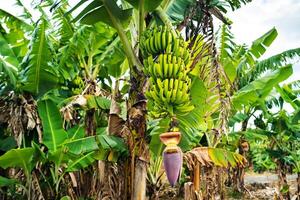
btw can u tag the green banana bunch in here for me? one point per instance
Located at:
(170, 92)
(166, 61)
(162, 40)
(166, 66)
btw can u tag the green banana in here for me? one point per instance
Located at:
(171, 69)
(169, 42)
(171, 84)
(166, 83)
(159, 70)
(168, 95)
(175, 69)
(174, 91)
(167, 65)
(184, 109)
(157, 41)
(164, 39)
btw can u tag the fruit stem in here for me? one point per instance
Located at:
(164, 18)
(174, 124)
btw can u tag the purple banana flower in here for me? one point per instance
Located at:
(172, 164)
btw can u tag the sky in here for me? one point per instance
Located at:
(250, 22)
(256, 18)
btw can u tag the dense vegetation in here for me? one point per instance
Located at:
(87, 91)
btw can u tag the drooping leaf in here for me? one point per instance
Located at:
(236, 4)
(53, 132)
(9, 63)
(6, 181)
(208, 156)
(81, 162)
(271, 63)
(178, 9)
(260, 88)
(237, 118)
(218, 157)
(21, 158)
(258, 47)
(101, 11)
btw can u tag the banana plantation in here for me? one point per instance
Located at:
(143, 99)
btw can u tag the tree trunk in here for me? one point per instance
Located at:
(239, 172)
(136, 123)
(282, 182)
(210, 189)
(220, 183)
(298, 186)
(197, 177)
(189, 191)
(140, 175)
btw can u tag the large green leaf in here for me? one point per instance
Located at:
(100, 11)
(112, 142)
(9, 63)
(193, 124)
(53, 132)
(274, 62)
(177, 10)
(39, 76)
(260, 88)
(97, 102)
(21, 158)
(258, 47)
(81, 162)
(76, 132)
(77, 144)
(288, 96)
(81, 145)
(149, 5)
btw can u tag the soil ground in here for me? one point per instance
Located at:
(264, 187)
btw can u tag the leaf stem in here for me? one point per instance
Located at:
(132, 58)
(141, 18)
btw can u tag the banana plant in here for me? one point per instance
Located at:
(252, 79)
(73, 62)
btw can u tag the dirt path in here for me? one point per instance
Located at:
(264, 186)
(266, 178)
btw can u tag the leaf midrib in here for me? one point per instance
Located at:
(80, 159)
(38, 64)
(51, 127)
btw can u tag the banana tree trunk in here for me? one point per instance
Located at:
(239, 172)
(139, 184)
(298, 186)
(136, 123)
(210, 190)
(282, 182)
